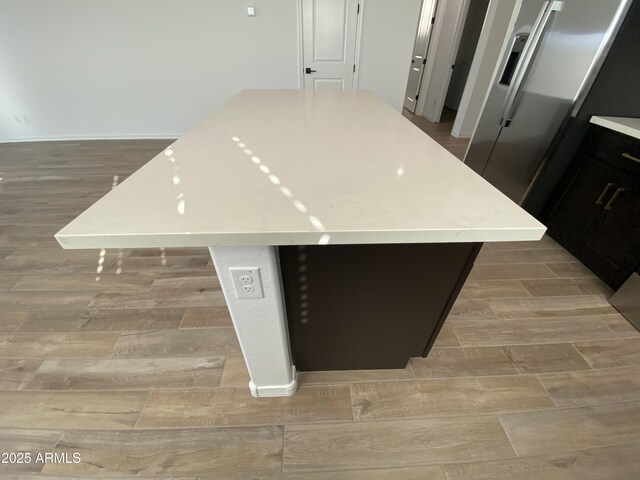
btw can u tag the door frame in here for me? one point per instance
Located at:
(301, 45)
(426, 17)
(498, 25)
(436, 77)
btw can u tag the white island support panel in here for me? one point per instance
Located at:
(291, 167)
(260, 323)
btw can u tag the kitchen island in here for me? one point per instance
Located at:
(341, 233)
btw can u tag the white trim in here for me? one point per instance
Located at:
(356, 55)
(439, 35)
(275, 390)
(458, 134)
(300, 48)
(78, 138)
(455, 130)
(442, 96)
(430, 118)
(496, 68)
(471, 90)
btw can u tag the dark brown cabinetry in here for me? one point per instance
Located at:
(352, 307)
(595, 212)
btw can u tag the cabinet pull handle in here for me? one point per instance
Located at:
(631, 157)
(604, 192)
(610, 202)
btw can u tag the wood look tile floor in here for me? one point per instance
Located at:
(441, 131)
(137, 367)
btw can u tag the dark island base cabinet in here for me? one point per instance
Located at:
(352, 307)
(596, 212)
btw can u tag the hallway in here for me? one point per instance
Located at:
(441, 132)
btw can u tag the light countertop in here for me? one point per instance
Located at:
(628, 126)
(286, 167)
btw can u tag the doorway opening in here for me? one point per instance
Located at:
(454, 33)
(466, 50)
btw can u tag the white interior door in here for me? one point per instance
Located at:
(329, 33)
(420, 52)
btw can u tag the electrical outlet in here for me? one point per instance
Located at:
(247, 282)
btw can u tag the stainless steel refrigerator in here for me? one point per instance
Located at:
(554, 52)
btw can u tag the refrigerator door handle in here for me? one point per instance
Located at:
(528, 54)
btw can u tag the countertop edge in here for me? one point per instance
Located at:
(185, 240)
(614, 123)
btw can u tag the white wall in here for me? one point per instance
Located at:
(154, 68)
(447, 30)
(388, 35)
(498, 24)
(92, 68)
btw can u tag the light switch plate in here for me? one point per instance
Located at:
(247, 282)
(251, 11)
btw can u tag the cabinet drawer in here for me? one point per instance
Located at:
(620, 151)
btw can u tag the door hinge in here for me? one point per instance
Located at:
(424, 61)
(417, 96)
(358, 9)
(354, 68)
(433, 20)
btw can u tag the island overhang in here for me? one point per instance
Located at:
(289, 167)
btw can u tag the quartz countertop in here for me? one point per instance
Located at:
(627, 125)
(287, 167)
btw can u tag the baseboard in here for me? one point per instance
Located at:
(79, 138)
(458, 134)
(275, 390)
(429, 118)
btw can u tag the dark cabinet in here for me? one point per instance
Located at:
(596, 211)
(350, 307)
(580, 205)
(616, 240)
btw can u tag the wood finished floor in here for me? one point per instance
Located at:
(441, 131)
(533, 376)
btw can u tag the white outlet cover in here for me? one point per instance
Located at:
(251, 11)
(253, 289)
